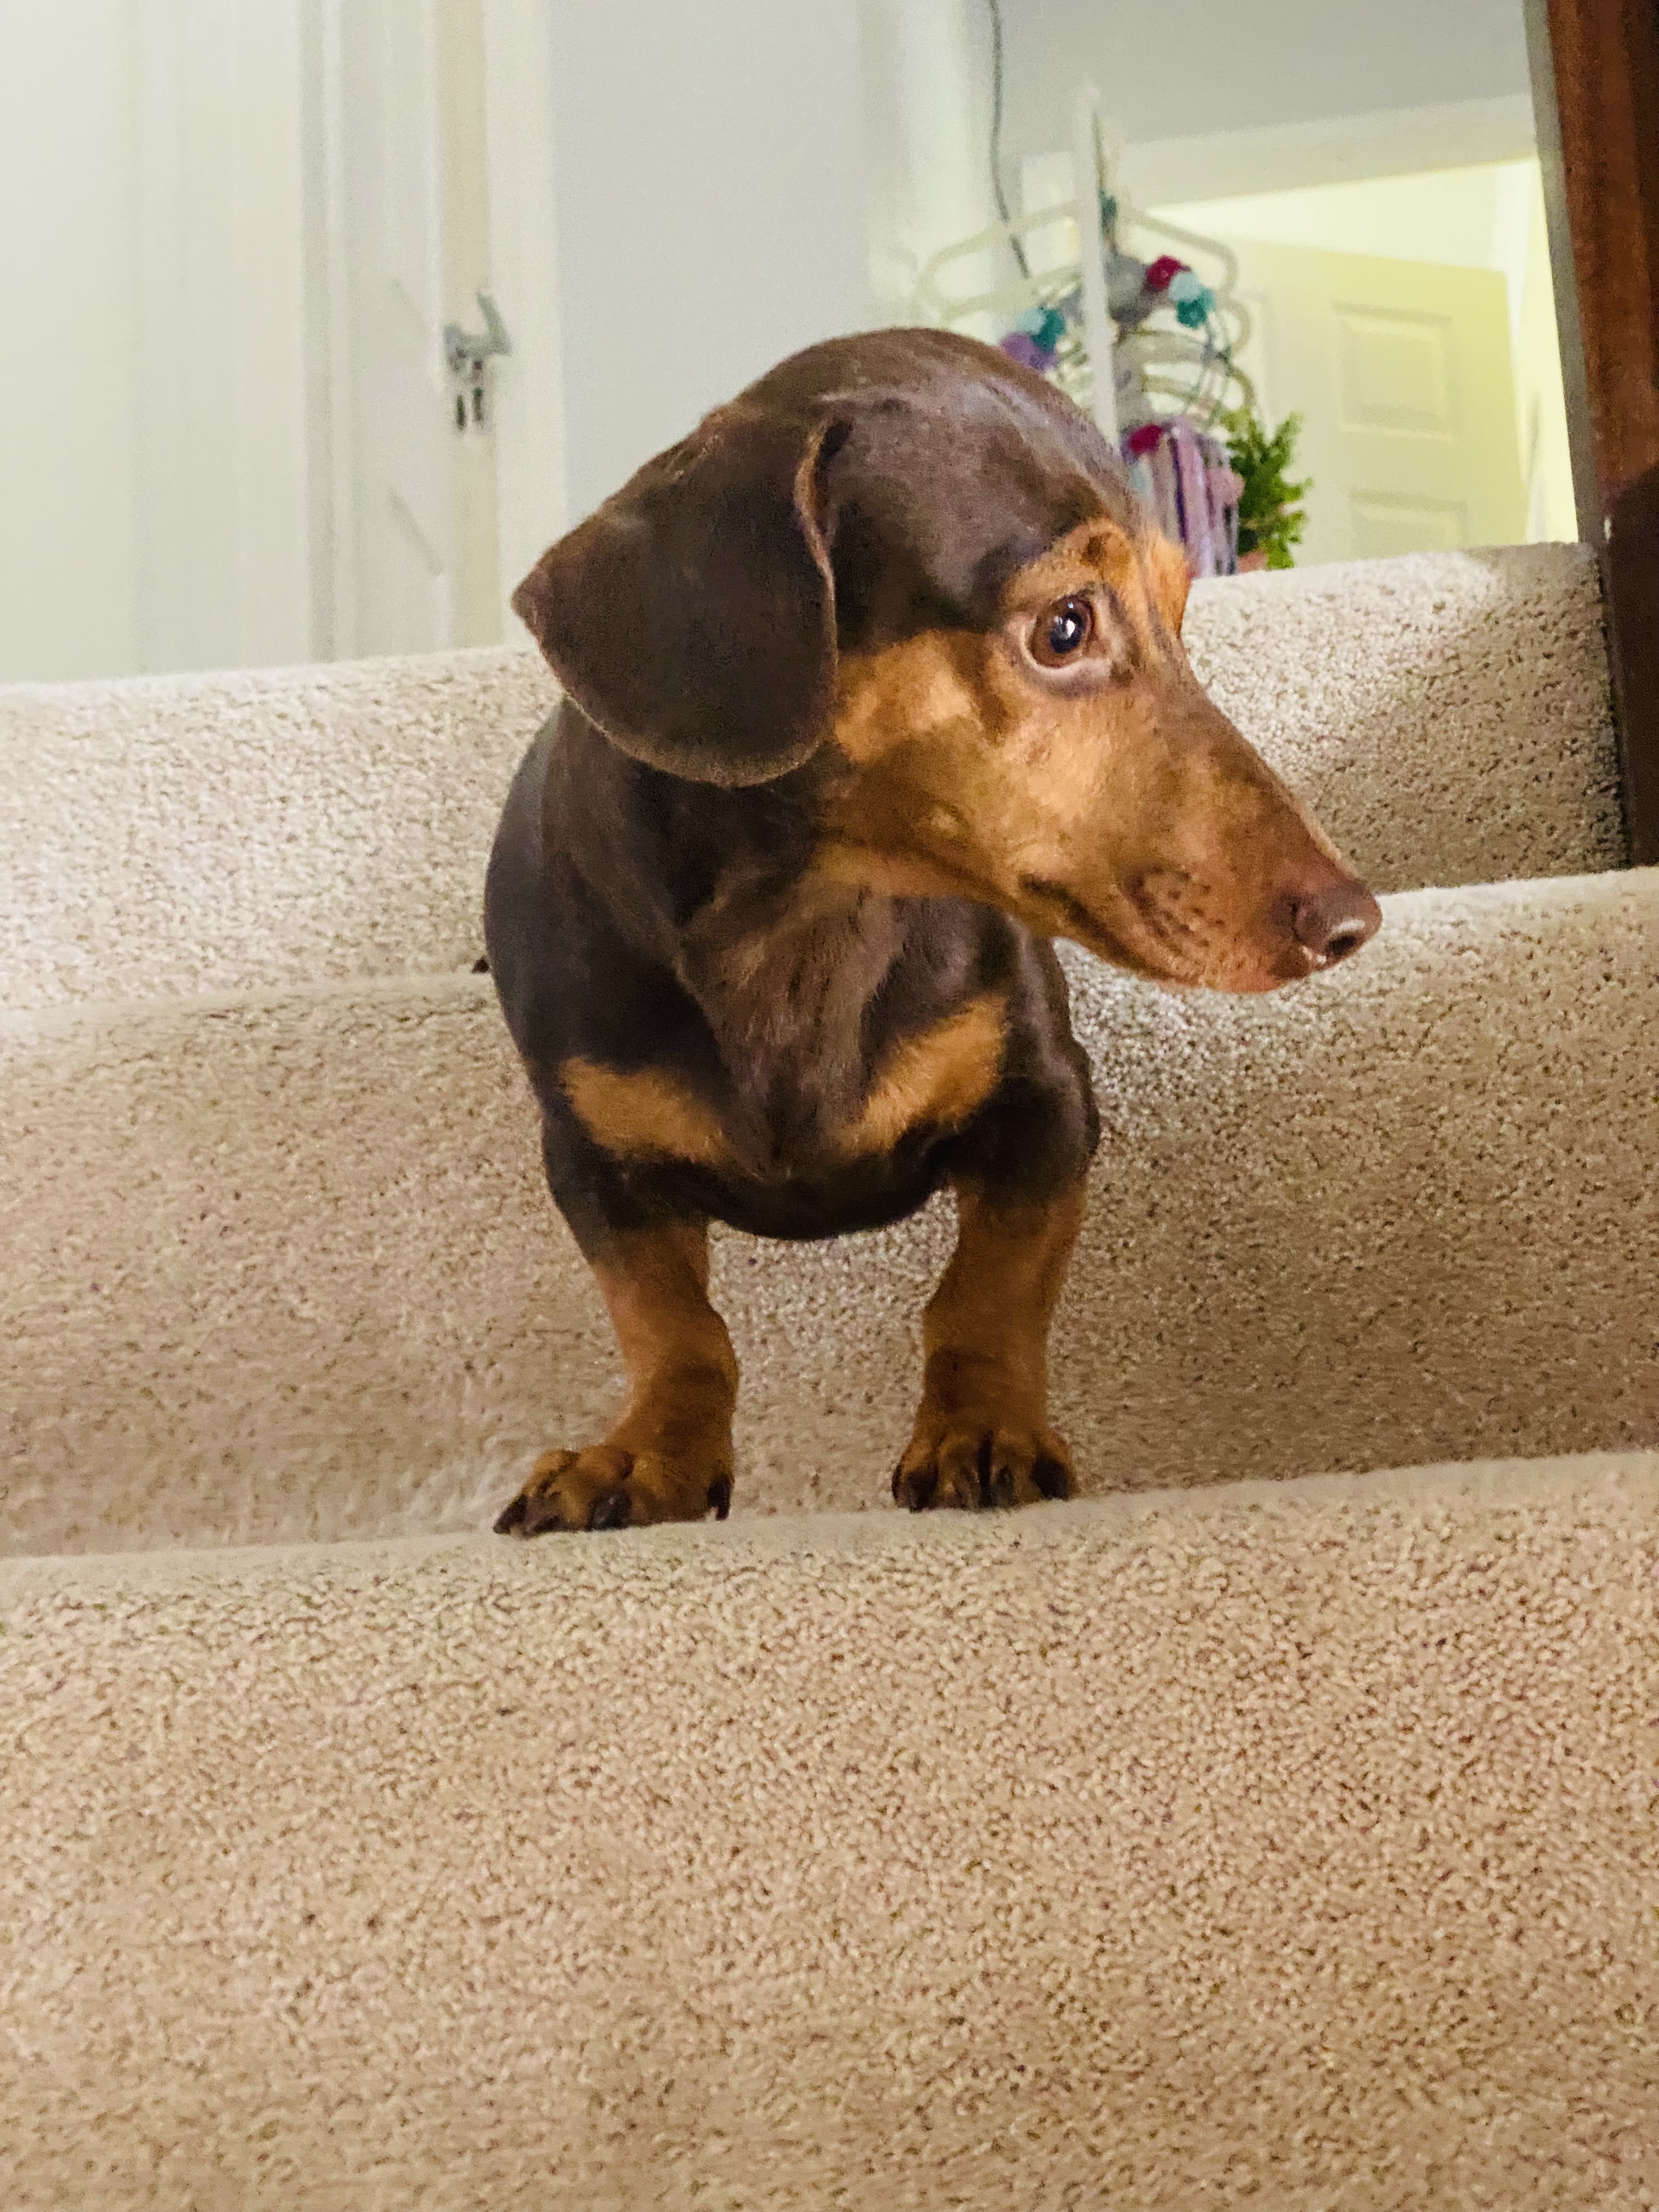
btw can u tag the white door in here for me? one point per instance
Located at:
(155, 435)
(415, 492)
(1401, 372)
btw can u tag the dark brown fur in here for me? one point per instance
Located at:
(771, 904)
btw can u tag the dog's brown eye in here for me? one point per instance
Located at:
(1062, 632)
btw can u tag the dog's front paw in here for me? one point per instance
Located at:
(607, 1486)
(969, 1460)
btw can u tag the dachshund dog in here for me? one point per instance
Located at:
(871, 687)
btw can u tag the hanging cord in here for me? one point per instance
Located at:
(1014, 245)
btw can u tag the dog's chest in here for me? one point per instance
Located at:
(836, 1060)
(788, 1004)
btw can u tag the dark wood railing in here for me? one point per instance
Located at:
(1595, 86)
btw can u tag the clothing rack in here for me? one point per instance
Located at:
(1123, 368)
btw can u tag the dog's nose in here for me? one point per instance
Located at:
(1336, 921)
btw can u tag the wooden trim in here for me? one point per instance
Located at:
(1630, 569)
(1604, 56)
(1596, 73)
(1551, 164)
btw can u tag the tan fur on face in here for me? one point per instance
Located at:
(969, 778)
(1171, 579)
(1111, 803)
(1099, 554)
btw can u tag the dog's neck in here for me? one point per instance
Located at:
(783, 969)
(721, 886)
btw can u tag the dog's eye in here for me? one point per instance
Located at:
(1062, 632)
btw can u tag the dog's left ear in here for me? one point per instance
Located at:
(692, 617)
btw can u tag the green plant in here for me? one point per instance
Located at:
(1271, 519)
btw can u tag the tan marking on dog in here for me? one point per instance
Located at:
(941, 1077)
(930, 687)
(1171, 581)
(970, 774)
(1074, 805)
(997, 1297)
(1097, 552)
(669, 1456)
(985, 1334)
(644, 1115)
(1146, 578)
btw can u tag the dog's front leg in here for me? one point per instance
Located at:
(981, 1436)
(668, 1458)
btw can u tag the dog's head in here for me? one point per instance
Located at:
(908, 560)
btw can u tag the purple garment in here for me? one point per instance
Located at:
(1193, 477)
(1192, 491)
(1166, 496)
(1140, 482)
(1020, 346)
(1226, 489)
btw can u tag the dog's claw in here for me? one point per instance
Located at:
(974, 1464)
(608, 1487)
(914, 1487)
(1053, 1477)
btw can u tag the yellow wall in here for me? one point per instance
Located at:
(1485, 217)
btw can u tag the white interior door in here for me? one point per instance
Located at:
(394, 466)
(154, 431)
(1402, 374)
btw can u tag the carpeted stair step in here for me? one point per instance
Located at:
(1447, 715)
(283, 1268)
(1290, 1845)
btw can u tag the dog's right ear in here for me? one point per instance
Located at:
(692, 617)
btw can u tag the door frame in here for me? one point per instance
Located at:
(1595, 85)
(532, 484)
(529, 433)
(331, 481)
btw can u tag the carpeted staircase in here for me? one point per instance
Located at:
(1277, 1825)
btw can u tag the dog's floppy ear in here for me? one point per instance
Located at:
(692, 616)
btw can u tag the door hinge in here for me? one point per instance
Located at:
(469, 356)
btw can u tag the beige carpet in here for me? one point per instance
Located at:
(1292, 1846)
(288, 1269)
(1446, 713)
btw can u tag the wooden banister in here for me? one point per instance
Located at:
(1595, 88)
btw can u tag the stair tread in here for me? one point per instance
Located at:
(1447, 715)
(286, 1268)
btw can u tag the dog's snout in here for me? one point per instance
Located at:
(1336, 921)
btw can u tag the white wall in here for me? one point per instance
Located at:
(1183, 69)
(711, 210)
(223, 474)
(1546, 457)
(68, 327)
(926, 117)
